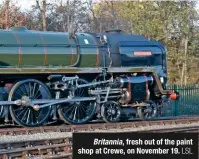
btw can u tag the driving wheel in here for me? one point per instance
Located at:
(78, 112)
(27, 91)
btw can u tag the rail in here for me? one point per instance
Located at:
(96, 126)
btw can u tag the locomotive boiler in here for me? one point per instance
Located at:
(76, 77)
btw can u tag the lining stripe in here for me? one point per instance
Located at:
(45, 50)
(97, 60)
(72, 55)
(19, 49)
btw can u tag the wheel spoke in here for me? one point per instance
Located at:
(32, 116)
(22, 91)
(24, 115)
(33, 90)
(36, 94)
(19, 110)
(67, 109)
(26, 89)
(1, 110)
(28, 117)
(20, 95)
(81, 114)
(77, 114)
(37, 97)
(84, 105)
(22, 111)
(74, 117)
(71, 113)
(82, 110)
(82, 92)
(30, 90)
(108, 116)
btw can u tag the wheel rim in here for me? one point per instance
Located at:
(29, 90)
(77, 112)
(111, 111)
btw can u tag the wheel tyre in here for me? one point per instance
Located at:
(11, 108)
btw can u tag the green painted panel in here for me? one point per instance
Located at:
(61, 59)
(32, 59)
(55, 60)
(88, 60)
(9, 60)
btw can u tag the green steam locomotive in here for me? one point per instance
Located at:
(78, 77)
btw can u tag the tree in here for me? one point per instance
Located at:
(104, 16)
(7, 13)
(66, 16)
(43, 12)
(13, 15)
(169, 23)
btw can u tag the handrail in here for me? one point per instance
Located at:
(48, 45)
(114, 30)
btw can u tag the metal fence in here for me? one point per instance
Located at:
(188, 103)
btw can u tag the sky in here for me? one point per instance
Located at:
(25, 4)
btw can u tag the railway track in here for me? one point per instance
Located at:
(96, 126)
(51, 148)
(62, 147)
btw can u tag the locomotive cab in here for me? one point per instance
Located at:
(130, 50)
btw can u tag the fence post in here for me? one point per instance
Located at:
(176, 102)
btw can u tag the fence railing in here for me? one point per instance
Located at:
(188, 103)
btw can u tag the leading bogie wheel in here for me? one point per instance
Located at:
(29, 90)
(111, 112)
(78, 112)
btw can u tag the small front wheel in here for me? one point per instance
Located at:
(147, 112)
(111, 112)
